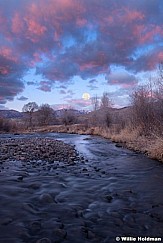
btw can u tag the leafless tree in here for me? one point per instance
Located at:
(95, 105)
(143, 109)
(105, 109)
(29, 109)
(105, 101)
(68, 117)
(7, 125)
(45, 115)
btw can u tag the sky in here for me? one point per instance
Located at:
(53, 51)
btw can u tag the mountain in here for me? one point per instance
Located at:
(11, 114)
(60, 113)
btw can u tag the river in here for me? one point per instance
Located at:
(114, 193)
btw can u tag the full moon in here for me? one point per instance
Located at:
(86, 96)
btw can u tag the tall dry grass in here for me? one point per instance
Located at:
(155, 150)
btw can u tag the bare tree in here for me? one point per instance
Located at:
(95, 105)
(105, 109)
(143, 109)
(45, 114)
(68, 117)
(29, 109)
(105, 101)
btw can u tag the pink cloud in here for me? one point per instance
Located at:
(8, 53)
(79, 103)
(132, 15)
(17, 24)
(147, 34)
(34, 29)
(81, 22)
(4, 70)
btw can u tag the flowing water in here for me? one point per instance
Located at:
(113, 193)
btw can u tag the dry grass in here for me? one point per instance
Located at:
(155, 150)
(126, 135)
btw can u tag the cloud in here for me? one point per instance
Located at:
(62, 87)
(120, 97)
(92, 87)
(45, 86)
(60, 106)
(79, 103)
(122, 78)
(67, 38)
(63, 91)
(22, 98)
(148, 61)
(70, 92)
(92, 81)
(31, 83)
(10, 76)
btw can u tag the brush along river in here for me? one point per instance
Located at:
(79, 188)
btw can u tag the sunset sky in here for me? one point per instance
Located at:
(53, 51)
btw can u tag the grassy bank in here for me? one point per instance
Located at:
(130, 138)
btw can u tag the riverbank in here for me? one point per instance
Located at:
(37, 149)
(151, 146)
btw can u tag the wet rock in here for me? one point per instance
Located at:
(29, 207)
(6, 221)
(60, 233)
(46, 198)
(90, 235)
(109, 198)
(35, 186)
(35, 227)
(85, 169)
(20, 178)
(44, 240)
(118, 222)
(79, 214)
(119, 145)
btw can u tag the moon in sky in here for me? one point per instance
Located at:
(86, 96)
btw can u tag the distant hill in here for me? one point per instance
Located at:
(60, 113)
(122, 112)
(11, 114)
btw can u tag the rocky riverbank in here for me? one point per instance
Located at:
(37, 149)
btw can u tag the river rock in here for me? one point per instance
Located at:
(37, 149)
(6, 221)
(46, 198)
